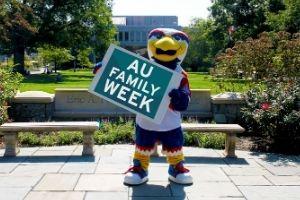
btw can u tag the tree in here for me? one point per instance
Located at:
(55, 55)
(247, 16)
(70, 23)
(83, 57)
(286, 17)
(204, 44)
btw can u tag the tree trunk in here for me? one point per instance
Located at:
(19, 55)
(55, 66)
(74, 66)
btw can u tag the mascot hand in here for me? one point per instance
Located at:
(97, 67)
(179, 99)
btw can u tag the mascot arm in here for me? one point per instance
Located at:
(180, 97)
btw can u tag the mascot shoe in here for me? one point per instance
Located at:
(179, 174)
(135, 175)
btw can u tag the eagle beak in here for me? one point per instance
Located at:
(166, 43)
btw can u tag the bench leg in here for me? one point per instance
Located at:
(11, 144)
(230, 145)
(88, 144)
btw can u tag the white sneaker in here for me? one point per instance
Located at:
(132, 178)
(179, 174)
(183, 178)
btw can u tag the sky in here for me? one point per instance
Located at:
(186, 10)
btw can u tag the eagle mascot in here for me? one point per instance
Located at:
(167, 47)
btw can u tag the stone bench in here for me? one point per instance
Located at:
(10, 132)
(229, 129)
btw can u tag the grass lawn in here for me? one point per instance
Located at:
(82, 79)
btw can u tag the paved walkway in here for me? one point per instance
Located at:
(60, 173)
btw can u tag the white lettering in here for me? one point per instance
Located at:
(133, 97)
(154, 89)
(146, 103)
(134, 65)
(140, 84)
(113, 71)
(143, 71)
(121, 76)
(110, 86)
(122, 92)
(144, 88)
(131, 81)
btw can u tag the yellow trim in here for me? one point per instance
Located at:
(144, 160)
(173, 160)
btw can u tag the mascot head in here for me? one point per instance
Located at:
(167, 46)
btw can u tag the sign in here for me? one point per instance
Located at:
(135, 83)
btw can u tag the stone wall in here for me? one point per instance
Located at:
(72, 104)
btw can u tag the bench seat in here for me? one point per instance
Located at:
(229, 129)
(10, 132)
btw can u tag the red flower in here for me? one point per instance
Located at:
(265, 106)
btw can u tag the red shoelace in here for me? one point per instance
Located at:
(134, 169)
(181, 169)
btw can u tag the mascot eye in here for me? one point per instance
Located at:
(159, 36)
(156, 35)
(177, 37)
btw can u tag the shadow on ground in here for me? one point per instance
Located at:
(47, 159)
(169, 191)
(206, 160)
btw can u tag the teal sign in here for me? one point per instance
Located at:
(135, 83)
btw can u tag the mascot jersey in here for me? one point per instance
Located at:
(167, 47)
(172, 118)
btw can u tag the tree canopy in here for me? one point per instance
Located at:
(75, 24)
(233, 20)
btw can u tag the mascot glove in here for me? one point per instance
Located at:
(97, 67)
(179, 99)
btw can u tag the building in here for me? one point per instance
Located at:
(133, 30)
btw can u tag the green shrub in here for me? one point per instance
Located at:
(115, 133)
(270, 55)
(48, 140)
(271, 112)
(8, 88)
(65, 138)
(211, 140)
(29, 139)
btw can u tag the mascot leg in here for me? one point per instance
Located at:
(172, 142)
(145, 146)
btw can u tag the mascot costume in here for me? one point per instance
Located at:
(167, 47)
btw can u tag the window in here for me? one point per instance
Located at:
(144, 36)
(138, 36)
(120, 36)
(126, 36)
(131, 36)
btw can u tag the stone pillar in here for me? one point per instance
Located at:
(32, 106)
(230, 145)
(11, 144)
(88, 144)
(226, 107)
